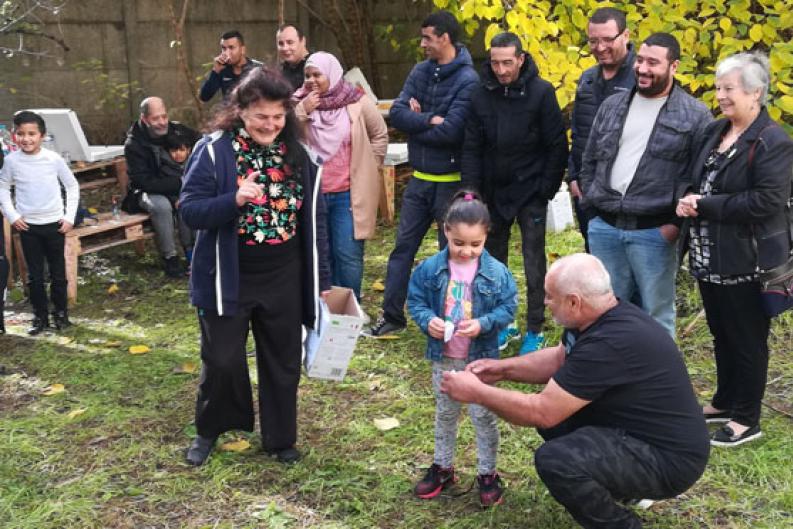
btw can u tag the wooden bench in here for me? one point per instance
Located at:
(106, 233)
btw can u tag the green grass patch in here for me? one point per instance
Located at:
(107, 452)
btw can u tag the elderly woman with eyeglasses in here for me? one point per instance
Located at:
(739, 226)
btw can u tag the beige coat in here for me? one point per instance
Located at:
(369, 143)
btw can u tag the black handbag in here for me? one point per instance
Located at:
(777, 289)
(776, 284)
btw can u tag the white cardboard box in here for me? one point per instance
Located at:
(329, 348)
(560, 211)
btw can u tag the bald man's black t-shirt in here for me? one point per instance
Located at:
(630, 369)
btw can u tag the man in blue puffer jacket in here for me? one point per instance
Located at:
(431, 110)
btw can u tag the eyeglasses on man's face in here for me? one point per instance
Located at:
(604, 41)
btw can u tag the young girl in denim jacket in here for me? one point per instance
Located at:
(461, 298)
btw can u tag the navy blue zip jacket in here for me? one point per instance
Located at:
(208, 204)
(590, 93)
(442, 90)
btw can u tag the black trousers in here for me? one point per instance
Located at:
(40, 242)
(270, 305)
(740, 342)
(532, 232)
(589, 469)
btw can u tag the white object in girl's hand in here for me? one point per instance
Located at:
(448, 331)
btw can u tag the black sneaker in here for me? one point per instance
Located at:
(434, 481)
(717, 417)
(38, 326)
(725, 436)
(60, 320)
(199, 450)
(490, 490)
(382, 327)
(172, 267)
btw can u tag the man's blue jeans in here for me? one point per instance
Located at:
(422, 203)
(640, 262)
(346, 253)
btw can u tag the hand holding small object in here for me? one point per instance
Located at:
(249, 189)
(436, 328)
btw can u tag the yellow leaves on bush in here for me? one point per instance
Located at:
(238, 445)
(138, 349)
(54, 389)
(708, 30)
(756, 33)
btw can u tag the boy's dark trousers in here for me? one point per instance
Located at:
(40, 242)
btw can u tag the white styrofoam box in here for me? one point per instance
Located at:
(560, 211)
(396, 154)
(329, 348)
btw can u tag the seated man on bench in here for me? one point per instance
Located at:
(152, 186)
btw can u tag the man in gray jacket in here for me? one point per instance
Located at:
(638, 153)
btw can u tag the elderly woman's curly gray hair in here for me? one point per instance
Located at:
(754, 70)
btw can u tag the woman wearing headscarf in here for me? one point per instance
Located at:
(739, 226)
(344, 128)
(259, 263)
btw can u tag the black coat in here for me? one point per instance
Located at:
(749, 223)
(515, 147)
(144, 160)
(590, 93)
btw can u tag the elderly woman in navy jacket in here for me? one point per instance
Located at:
(259, 261)
(740, 226)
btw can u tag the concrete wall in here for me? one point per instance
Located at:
(129, 42)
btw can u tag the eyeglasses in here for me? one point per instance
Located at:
(605, 41)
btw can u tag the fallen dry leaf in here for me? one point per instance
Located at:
(138, 349)
(65, 340)
(386, 337)
(54, 389)
(378, 286)
(74, 413)
(386, 424)
(375, 385)
(553, 256)
(186, 368)
(114, 343)
(112, 289)
(239, 445)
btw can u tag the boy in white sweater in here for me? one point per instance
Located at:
(39, 215)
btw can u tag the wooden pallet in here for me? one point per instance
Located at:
(106, 233)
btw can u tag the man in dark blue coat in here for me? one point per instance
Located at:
(515, 152)
(607, 36)
(228, 67)
(431, 110)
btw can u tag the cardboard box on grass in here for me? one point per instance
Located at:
(560, 211)
(329, 348)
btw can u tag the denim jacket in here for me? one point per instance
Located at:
(495, 299)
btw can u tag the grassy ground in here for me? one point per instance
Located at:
(107, 452)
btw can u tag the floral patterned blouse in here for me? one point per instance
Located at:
(272, 218)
